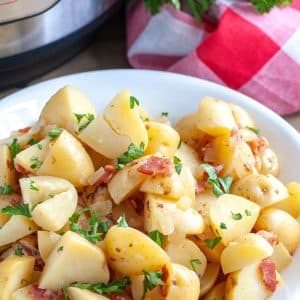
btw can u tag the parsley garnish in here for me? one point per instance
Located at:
(221, 185)
(194, 262)
(255, 130)
(157, 237)
(19, 251)
(5, 189)
(36, 163)
(122, 222)
(131, 154)
(115, 287)
(212, 243)
(19, 210)
(32, 142)
(164, 114)
(104, 226)
(89, 117)
(133, 101)
(14, 148)
(151, 281)
(236, 216)
(178, 164)
(247, 212)
(223, 225)
(40, 146)
(61, 248)
(179, 144)
(264, 6)
(33, 186)
(54, 133)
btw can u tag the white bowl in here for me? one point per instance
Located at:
(164, 92)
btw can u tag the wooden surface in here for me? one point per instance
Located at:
(107, 51)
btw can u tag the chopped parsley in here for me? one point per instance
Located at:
(88, 117)
(36, 163)
(104, 226)
(179, 144)
(33, 186)
(54, 133)
(5, 189)
(194, 262)
(247, 212)
(14, 148)
(133, 101)
(131, 154)
(223, 225)
(61, 248)
(40, 146)
(157, 237)
(164, 114)
(212, 243)
(32, 142)
(19, 251)
(255, 130)
(236, 216)
(151, 281)
(122, 222)
(19, 210)
(177, 164)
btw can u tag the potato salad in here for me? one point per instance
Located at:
(121, 205)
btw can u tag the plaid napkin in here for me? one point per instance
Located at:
(258, 55)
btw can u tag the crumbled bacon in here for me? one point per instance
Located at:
(21, 170)
(234, 134)
(165, 277)
(259, 145)
(268, 272)
(200, 187)
(24, 130)
(17, 200)
(9, 164)
(156, 166)
(120, 297)
(271, 237)
(44, 294)
(110, 171)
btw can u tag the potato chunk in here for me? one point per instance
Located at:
(77, 261)
(80, 294)
(60, 110)
(47, 241)
(7, 173)
(23, 294)
(281, 257)
(15, 272)
(68, 159)
(129, 251)
(209, 278)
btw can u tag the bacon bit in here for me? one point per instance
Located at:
(103, 175)
(236, 137)
(268, 271)
(9, 164)
(219, 168)
(165, 276)
(270, 237)
(259, 145)
(16, 201)
(24, 130)
(21, 170)
(156, 166)
(44, 294)
(200, 187)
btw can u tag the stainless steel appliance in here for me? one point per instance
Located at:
(38, 35)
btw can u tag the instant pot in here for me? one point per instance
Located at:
(38, 35)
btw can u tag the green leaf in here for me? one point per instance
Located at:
(104, 226)
(131, 154)
(247, 212)
(19, 210)
(33, 186)
(225, 183)
(151, 281)
(5, 189)
(178, 164)
(14, 148)
(133, 101)
(122, 222)
(194, 262)
(212, 243)
(54, 133)
(157, 237)
(210, 170)
(236, 216)
(255, 130)
(61, 248)
(19, 251)
(223, 225)
(179, 144)
(164, 114)
(40, 146)
(89, 117)
(32, 142)
(36, 163)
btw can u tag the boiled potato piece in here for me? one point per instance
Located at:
(203, 202)
(209, 278)
(23, 294)
(291, 204)
(32, 157)
(77, 261)
(163, 139)
(60, 110)
(217, 293)
(246, 284)
(126, 120)
(188, 254)
(232, 217)
(54, 213)
(103, 139)
(16, 228)
(246, 250)
(265, 190)
(282, 224)
(15, 272)
(281, 257)
(215, 117)
(47, 241)
(7, 173)
(68, 159)
(80, 294)
(166, 217)
(126, 181)
(241, 117)
(129, 251)
(269, 162)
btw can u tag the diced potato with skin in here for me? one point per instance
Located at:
(62, 107)
(130, 251)
(241, 116)
(16, 228)
(163, 139)
(209, 278)
(15, 272)
(125, 120)
(126, 181)
(166, 217)
(184, 251)
(246, 284)
(215, 117)
(80, 294)
(265, 190)
(282, 224)
(28, 158)
(222, 219)
(281, 257)
(269, 163)
(47, 241)
(77, 261)
(7, 173)
(23, 294)
(244, 251)
(291, 204)
(217, 293)
(68, 159)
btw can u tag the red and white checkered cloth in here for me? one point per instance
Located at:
(258, 55)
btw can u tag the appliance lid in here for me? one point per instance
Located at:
(13, 10)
